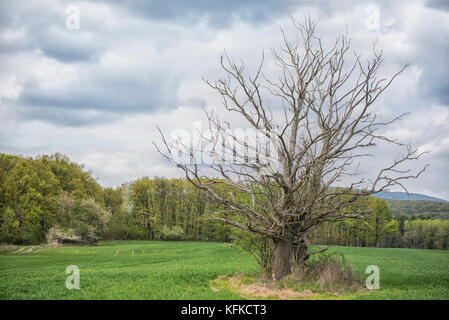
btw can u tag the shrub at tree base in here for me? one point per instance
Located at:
(331, 272)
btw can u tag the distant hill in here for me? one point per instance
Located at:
(420, 208)
(415, 205)
(387, 195)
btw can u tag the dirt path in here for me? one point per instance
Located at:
(26, 249)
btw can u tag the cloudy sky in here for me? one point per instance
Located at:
(96, 91)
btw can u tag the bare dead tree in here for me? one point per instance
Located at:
(285, 191)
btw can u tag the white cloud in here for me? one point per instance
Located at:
(97, 93)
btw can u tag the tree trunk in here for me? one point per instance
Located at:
(283, 259)
(301, 254)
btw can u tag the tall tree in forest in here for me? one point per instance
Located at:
(379, 220)
(287, 171)
(141, 197)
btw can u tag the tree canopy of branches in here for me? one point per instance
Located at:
(289, 170)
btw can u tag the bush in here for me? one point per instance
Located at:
(174, 233)
(331, 272)
(257, 246)
(79, 221)
(85, 235)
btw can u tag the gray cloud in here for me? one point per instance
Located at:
(88, 66)
(103, 93)
(438, 4)
(219, 13)
(66, 117)
(69, 46)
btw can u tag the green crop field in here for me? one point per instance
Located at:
(182, 270)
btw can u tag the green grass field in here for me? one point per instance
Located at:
(182, 270)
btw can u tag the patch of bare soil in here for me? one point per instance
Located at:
(262, 291)
(257, 288)
(7, 246)
(27, 249)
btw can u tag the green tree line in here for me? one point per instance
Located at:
(159, 208)
(51, 197)
(29, 193)
(381, 228)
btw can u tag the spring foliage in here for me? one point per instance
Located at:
(52, 198)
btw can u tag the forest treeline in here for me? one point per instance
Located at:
(49, 197)
(381, 228)
(52, 196)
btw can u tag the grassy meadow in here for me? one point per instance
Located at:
(183, 270)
